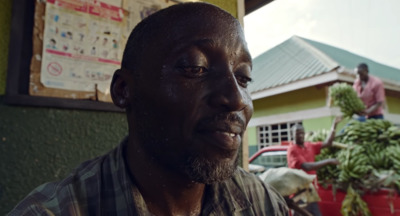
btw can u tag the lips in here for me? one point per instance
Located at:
(224, 135)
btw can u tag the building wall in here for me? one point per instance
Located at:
(39, 145)
(307, 98)
(393, 104)
(302, 99)
(228, 5)
(5, 23)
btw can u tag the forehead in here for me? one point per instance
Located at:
(360, 70)
(216, 27)
(216, 35)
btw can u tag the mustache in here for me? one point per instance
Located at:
(227, 118)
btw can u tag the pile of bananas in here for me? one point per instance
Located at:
(327, 174)
(393, 152)
(378, 155)
(391, 135)
(354, 164)
(353, 204)
(317, 136)
(372, 151)
(370, 130)
(344, 96)
(372, 145)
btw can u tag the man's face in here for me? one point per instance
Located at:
(362, 73)
(191, 104)
(299, 136)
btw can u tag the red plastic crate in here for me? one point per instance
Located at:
(378, 203)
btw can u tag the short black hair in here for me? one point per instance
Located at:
(363, 66)
(143, 35)
(296, 127)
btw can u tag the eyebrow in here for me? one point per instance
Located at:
(245, 55)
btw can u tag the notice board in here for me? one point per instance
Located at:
(78, 44)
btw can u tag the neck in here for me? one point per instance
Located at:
(165, 192)
(365, 80)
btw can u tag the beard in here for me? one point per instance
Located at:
(196, 167)
(206, 171)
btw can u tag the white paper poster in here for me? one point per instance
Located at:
(82, 44)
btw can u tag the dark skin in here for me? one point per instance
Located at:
(299, 140)
(201, 71)
(363, 75)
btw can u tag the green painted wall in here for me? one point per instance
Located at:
(5, 23)
(252, 140)
(252, 132)
(394, 104)
(228, 5)
(316, 124)
(307, 98)
(38, 145)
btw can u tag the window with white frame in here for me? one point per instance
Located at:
(274, 134)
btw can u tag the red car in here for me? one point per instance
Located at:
(382, 203)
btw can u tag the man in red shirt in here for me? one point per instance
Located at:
(371, 91)
(301, 155)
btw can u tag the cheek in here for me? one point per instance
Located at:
(249, 108)
(181, 102)
(172, 93)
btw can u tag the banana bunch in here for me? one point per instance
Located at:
(346, 99)
(355, 132)
(327, 174)
(316, 136)
(354, 164)
(372, 130)
(391, 136)
(393, 152)
(378, 124)
(378, 155)
(354, 205)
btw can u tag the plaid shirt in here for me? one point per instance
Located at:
(102, 186)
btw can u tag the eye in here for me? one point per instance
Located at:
(243, 80)
(242, 75)
(194, 71)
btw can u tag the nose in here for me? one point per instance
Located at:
(228, 95)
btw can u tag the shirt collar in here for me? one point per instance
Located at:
(134, 200)
(225, 197)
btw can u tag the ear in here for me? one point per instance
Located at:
(120, 88)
